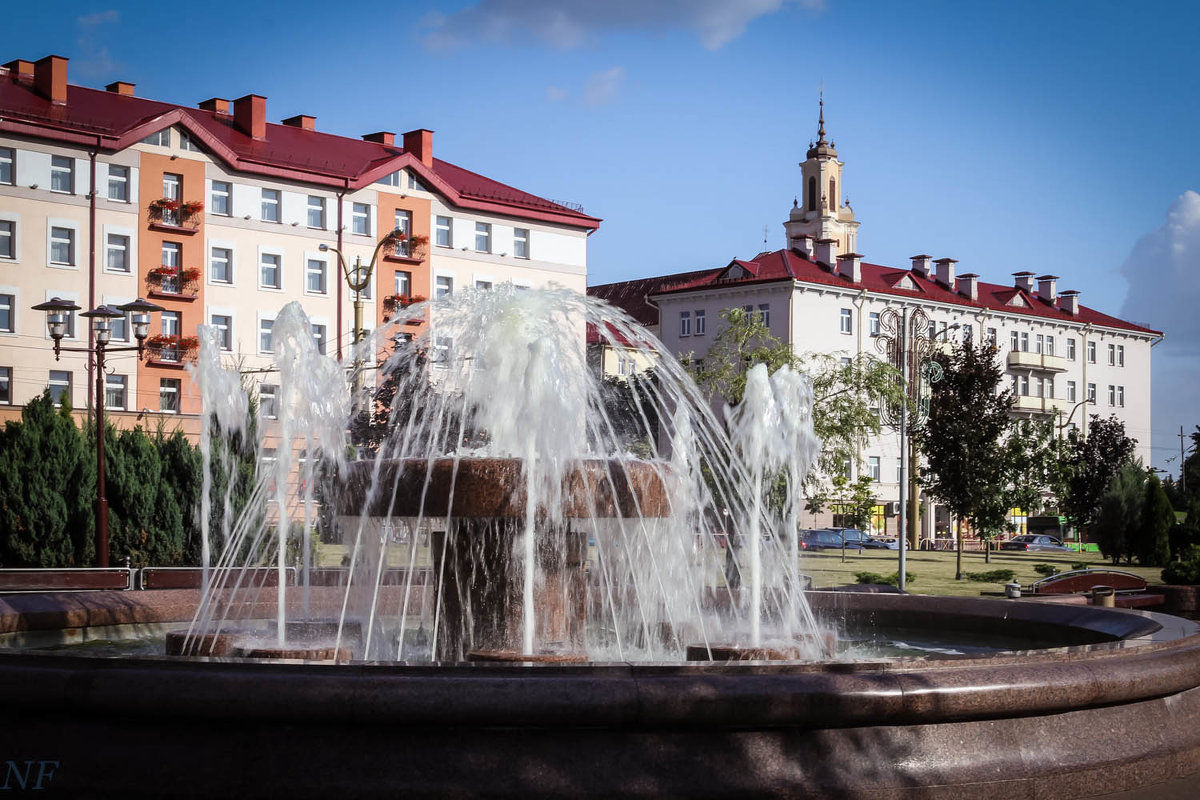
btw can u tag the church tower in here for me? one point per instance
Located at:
(819, 212)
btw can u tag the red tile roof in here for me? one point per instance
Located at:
(114, 121)
(789, 265)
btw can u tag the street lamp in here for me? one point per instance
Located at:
(358, 279)
(101, 317)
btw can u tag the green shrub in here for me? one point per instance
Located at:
(1046, 569)
(1080, 565)
(888, 580)
(1185, 571)
(992, 576)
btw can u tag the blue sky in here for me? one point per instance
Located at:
(1051, 136)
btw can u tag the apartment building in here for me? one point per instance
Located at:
(1063, 360)
(222, 217)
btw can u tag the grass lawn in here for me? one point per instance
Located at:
(934, 570)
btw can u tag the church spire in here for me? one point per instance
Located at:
(821, 125)
(822, 147)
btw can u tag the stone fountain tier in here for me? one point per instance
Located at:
(477, 508)
(1119, 713)
(494, 488)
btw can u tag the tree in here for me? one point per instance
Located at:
(1151, 539)
(852, 501)
(1089, 465)
(1031, 456)
(1119, 513)
(962, 438)
(846, 395)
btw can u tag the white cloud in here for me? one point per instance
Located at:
(556, 94)
(570, 23)
(602, 88)
(98, 18)
(1162, 269)
(94, 61)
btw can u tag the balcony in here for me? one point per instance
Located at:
(1024, 404)
(1038, 361)
(394, 303)
(173, 283)
(171, 350)
(175, 216)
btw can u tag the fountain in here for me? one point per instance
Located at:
(533, 559)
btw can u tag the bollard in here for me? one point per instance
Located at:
(1012, 589)
(1104, 596)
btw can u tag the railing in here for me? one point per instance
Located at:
(83, 579)
(1039, 405)
(1039, 361)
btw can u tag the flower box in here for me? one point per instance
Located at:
(179, 214)
(394, 302)
(168, 348)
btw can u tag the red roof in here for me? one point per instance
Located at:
(789, 265)
(115, 121)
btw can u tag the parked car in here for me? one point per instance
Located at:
(1035, 543)
(867, 541)
(825, 539)
(890, 542)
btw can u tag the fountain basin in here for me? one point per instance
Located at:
(1116, 708)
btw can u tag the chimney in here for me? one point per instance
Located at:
(849, 266)
(21, 68)
(50, 78)
(945, 272)
(1024, 281)
(920, 265)
(382, 137)
(302, 121)
(804, 243)
(217, 105)
(250, 115)
(120, 87)
(1069, 302)
(1047, 285)
(420, 144)
(827, 252)
(968, 286)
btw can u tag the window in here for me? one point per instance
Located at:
(220, 265)
(1112, 395)
(443, 232)
(390, 180)
(268, 401)
(60, 386)
(413, 183)
(1070, 391)
(8, 306)
(968, 332)
(764, 314)
(8, 236)
(1112, 355)
(316, 212)
(62, 246)
(444, 287)
(1023, 385)
(847, 468)
(172, 255)
(1091, 395)
(1049, 345)
(270, 205)
(873, 465)
(1121, 396)
(521, 242)
(360, 219)
(118, 183)
(404, 225)
(1040, 344)
(1024, 341)
(685, 323)
(116, 253)
(1014, 341)
(483, 285)
(172, 186)
(1120, 355)
(319, 337)
(315, 276)
(114, 392)
(269, 276)
(699, 317)
(223, 325)
(1091, 352)
(8, 161)
(402, 283)
(1050, 388)
(161, 138)
(847, 321)
(483, 237)
(171, 323)
(6, 385)
(1039, 387)
(62, 174)
(264, 335)
(168, 395)
(221, 201)
(873, 323)
(186, 142)
(992, 337)
(120, 328)
(1071, 349)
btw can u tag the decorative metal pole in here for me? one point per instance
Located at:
(904, 339)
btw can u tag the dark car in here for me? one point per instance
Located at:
(826, 539)
(1035, 543)
(859, 537)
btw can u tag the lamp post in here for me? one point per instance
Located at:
(101, 318)
(357, 280)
